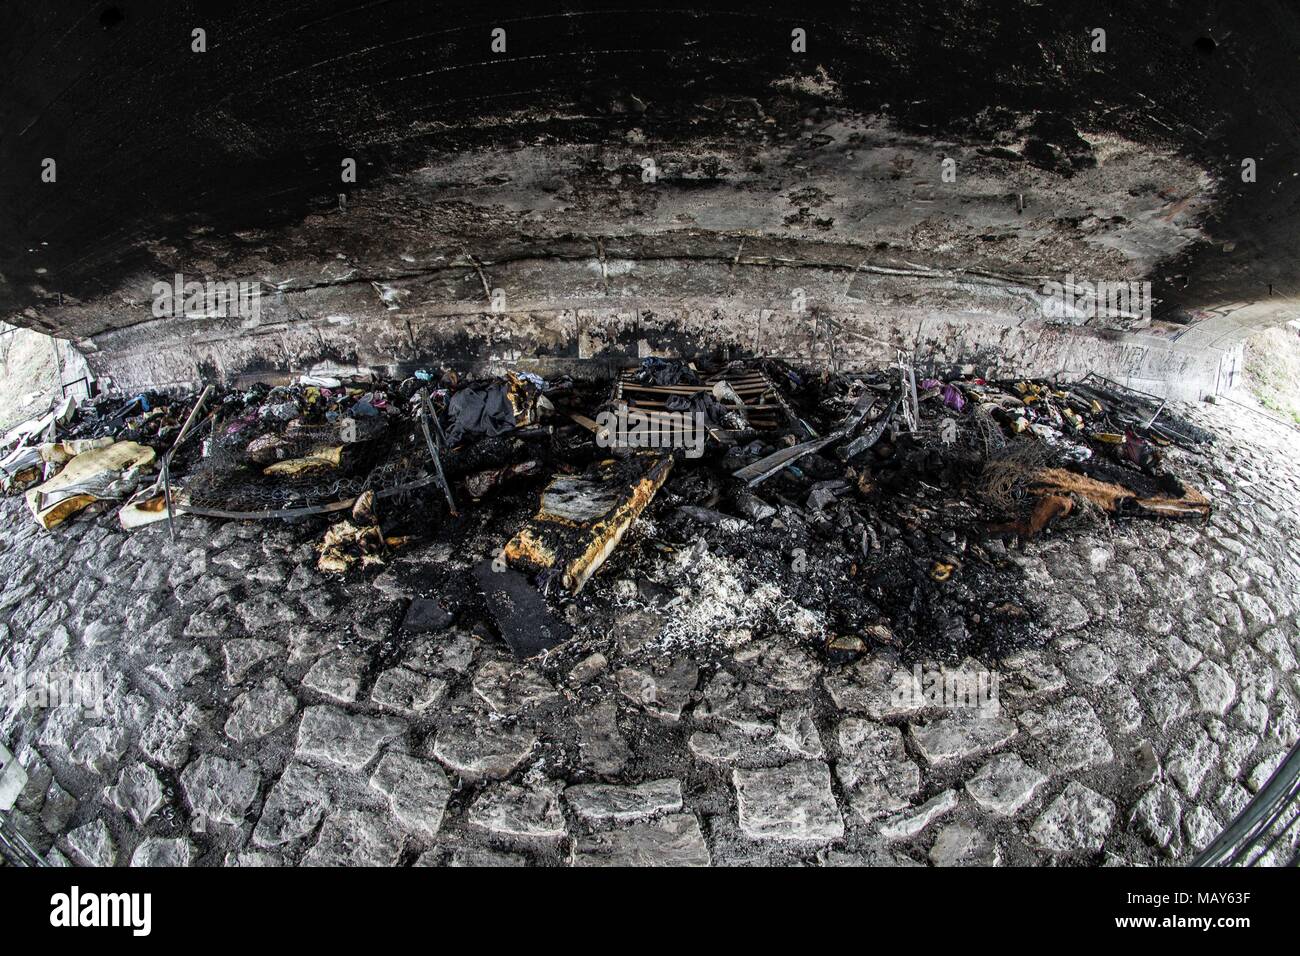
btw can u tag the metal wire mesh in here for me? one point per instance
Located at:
(231, 477)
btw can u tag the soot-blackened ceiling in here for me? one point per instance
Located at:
(172, 159)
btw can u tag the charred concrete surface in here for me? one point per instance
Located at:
(587, 261)
(256, 712)
(774, 171)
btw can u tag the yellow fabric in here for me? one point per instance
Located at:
(91, 467)
(321, 458)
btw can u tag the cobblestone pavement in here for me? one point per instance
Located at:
(258, 713)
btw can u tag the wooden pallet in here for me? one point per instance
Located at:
(752, 386)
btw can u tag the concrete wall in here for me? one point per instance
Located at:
(587, 339)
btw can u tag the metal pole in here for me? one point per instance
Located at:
(427, 413)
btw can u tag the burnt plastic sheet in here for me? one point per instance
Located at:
(521, 614)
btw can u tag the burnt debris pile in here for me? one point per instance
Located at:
(729, 500)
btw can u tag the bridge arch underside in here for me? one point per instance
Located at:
(946, 183)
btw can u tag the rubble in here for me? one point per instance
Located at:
(860, 512)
